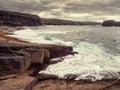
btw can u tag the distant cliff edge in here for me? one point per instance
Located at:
(9, 18)
(53, 21)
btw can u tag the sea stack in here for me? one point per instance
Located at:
(111, 23)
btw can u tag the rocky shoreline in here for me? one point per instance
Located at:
(21, 61)
(18, 57)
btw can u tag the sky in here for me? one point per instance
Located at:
(78, 10)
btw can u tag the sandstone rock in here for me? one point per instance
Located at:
(37, 56)
(18, 83)
(16, 58)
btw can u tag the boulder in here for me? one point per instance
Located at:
(40, 56)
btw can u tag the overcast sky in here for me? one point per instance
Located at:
(80, 10)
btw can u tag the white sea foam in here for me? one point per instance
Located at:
(93, 61)
(38, 36)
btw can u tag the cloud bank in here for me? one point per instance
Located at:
(80, 10)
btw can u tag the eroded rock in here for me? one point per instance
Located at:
(14, 64)
(16, 58)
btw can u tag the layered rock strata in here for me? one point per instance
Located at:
(16, 58)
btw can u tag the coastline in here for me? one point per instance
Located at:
(47, 83)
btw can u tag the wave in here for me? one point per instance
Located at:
(92, 61)
(39, 36)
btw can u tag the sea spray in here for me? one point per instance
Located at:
(92, 62)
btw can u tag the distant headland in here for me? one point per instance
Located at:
(11, 18)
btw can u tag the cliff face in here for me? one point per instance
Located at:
(111, 23)
(16, 58)
(18, 19)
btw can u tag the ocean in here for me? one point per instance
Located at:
(98, 50)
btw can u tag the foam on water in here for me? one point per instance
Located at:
(92, 61)
(38, 36)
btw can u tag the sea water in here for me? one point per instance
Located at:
(98, 50)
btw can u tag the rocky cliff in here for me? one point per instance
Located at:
(16, 58)
(18, 19)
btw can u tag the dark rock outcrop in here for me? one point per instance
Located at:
(57, 50)
(18, 19)
(17, 58)
(14, 64)
(111, 23)
(43, 76)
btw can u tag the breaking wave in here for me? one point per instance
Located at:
(92, 61)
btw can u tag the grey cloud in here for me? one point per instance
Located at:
(31, 6)
(95, 7)
(60, 8)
